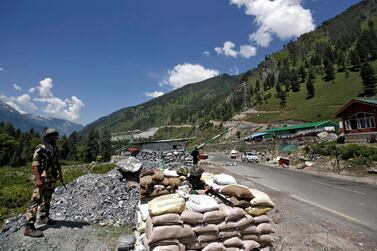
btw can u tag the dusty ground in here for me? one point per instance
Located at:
(300, 226)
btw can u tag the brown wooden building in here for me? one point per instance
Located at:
(359, 118)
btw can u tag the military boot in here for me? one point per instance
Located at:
(32, 232)
(47, 221)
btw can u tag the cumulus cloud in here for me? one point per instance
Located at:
(18, 103)
(32, 90)
(183, 74)
(45, 87)
(154, 94)
(206, 53)
(247, 51)
(17, 87)
(228, 50)
(25, 101)
(283, 18)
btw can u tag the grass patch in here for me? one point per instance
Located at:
(17, 184)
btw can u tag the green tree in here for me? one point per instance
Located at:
(329, 71)
(302, 73)
(105, 145)
(295, 81)
(91, 149)
(310, 88)
(283, 98)
(368, 76)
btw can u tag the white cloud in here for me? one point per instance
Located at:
(247, 51)
(25, 101)
(66, 109)
(45, 87)
(12, 101)
(32, 90)
(183, 74)
(17, 87)
(227, 49)
(154, 94)
(234, 70)
(1, 69)
(283, 18)
(206, 53)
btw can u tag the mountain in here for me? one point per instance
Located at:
(192, 103)
(25, 122)
(328, 60)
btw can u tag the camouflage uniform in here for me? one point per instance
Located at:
(46, 158)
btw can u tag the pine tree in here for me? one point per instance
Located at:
(310, 88)
(295, 82)
(368, 76)
(105, 145)
(329, 71)
(91, 147)
(312, 73)
(302, 73)
(283, 98)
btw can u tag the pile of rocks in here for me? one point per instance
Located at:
(166, 157)
(94, 198)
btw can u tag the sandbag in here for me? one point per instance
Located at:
(206, 176)
(239, 203)
(207, 228)
(143, 209)
(224, 179)
(252, 237)
(169, 248)
(262, 219)
(146, 182)
(233, 249)
(258, 210)
(227, 226)
(195, 245)
(131, 165)
(189, 240)
(191, 217)
(170, 173)
(159, 193)
(165, 182)
(167, 219)
(260, 199)
(233, 242)
(158, 176)
(266, 240)
(239, 191)
(208, 237)
(170, 203)
(229, 234)
(232, 213)
(216, 246)
(201, 203)
(214, 216)
(265, 228)
(246, 221)
(146, 172)
(174, 182)
(155, 234)
(250, 245)
(251, 229)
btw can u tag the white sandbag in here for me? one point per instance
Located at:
(131, 164)
(211, 183)
(260, 198)
(170, 173)
(170, 203)
(201, 203)
(206, 177)
(143, 209)
(224, 179)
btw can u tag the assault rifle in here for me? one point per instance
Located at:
(212, 191)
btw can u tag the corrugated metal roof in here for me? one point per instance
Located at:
(301, 126)
(363, 100)
(370, 101)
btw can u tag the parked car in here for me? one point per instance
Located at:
(250, 157)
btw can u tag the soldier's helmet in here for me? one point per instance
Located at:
(196, 170)
(181, 170)
(49, 131)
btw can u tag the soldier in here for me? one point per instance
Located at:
(195, 156)
(47, 171)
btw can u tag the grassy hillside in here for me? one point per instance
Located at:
(193, 103)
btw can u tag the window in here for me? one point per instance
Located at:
(361, 120)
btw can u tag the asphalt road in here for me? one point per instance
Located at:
(351, 200)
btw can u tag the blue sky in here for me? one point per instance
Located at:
(81, 60)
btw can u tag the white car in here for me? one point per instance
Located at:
(250, 157)
(234, 154)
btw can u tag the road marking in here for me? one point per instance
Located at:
(258, 182)
(341, 188)
(330, 210)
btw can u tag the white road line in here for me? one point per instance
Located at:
(330, 210)
(341, 188)
(258, 182)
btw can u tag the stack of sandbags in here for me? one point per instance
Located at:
(155, 183)
(260, 204)
(164, 226)
(218, 181)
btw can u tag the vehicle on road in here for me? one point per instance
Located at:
(234, 154)
(250, 157)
